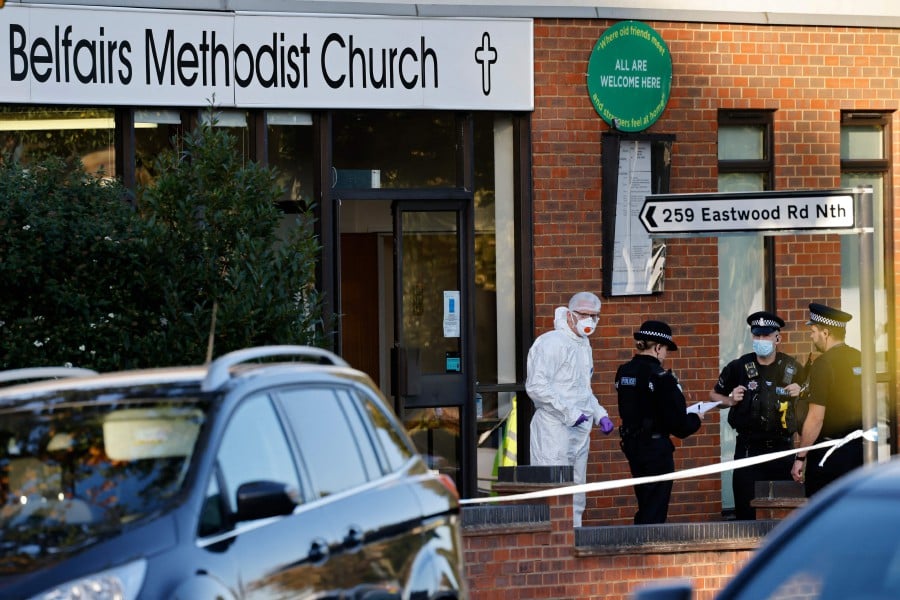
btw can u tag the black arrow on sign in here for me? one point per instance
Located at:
(649, 216)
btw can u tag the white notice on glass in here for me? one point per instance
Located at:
(637, 268)
(451, 314)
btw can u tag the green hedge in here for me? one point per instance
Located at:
(94, 280)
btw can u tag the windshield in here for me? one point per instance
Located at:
(73, 473)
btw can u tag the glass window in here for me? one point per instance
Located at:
(155, 131)
(33, 133)
(742, 142)
(863, 163)
(90, 463)
(291, 146)
(745, 165)
(360, 433)
(212, 514)
(254, 448)
(862, 141)
(238, 125)
(333, 455)
(396, 450)
(394, 149)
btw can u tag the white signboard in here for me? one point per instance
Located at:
(106, 56)
(723, 213)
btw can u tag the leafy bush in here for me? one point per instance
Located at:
(92, 280)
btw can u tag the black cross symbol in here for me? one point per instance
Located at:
(486, 50)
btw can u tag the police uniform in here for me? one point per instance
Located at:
(835, 382)
(652, 407)
(765, 419)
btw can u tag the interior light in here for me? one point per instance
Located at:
(226, 118)
(60, 124)
(288, 118)
(148, 118)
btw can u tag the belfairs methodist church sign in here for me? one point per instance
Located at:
(630, 76)
(94, 55)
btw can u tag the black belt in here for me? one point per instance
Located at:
(767, 444)
(638, 434)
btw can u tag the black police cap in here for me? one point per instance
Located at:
(819, 314)
(763, 323)
(656, 331)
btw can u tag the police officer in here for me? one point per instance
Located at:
(652, 407)
(835, 401)
(761, 388)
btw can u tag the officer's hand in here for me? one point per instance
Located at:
(737, 394)
(793, 390)
(797, 471)
(580, 420)
(606, 425)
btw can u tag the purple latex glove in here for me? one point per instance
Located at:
(606, 425)
(580, 420)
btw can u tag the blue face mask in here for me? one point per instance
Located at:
(763, 348)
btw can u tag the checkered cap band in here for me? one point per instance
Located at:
(656, 334)
(761, 322)
(826, 321)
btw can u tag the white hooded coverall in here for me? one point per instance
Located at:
(558, 381)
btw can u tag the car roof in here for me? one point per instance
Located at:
(880, 477)
(222, 373)
(880, 480)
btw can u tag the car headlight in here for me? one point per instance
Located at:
(120, 583)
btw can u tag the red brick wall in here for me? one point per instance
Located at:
(543, 563)
(807, 75)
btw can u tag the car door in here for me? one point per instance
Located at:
(373, 515)
(273, 557)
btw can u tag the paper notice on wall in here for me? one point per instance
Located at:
(638, 263)
(451, 314)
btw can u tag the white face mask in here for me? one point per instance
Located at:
(763, 348)
(586, 326)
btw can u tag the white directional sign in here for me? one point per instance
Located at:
(681, 214)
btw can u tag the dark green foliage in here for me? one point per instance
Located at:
(92, 281)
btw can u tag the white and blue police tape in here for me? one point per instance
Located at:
(832, 445)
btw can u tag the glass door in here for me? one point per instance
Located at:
(432, 357)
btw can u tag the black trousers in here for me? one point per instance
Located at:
(651, 456)
(842, 461)
(743, 482)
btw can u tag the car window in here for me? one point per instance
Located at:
(330, 449)
(77, 469)
(254, 448)
(212, 517)
(849, 551)
(361, 434)
(387, 431)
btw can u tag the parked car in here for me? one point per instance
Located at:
(245, 478)
(842, 545)
(14, 376)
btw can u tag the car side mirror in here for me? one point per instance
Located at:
(263, 499)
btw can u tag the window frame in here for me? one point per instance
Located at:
(766, 167)
(883, 167)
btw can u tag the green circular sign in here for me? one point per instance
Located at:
(630, 76)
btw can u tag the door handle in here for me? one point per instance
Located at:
(406, 371)
(354, 538)
(318, 551)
